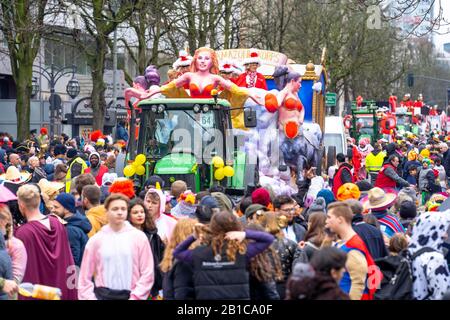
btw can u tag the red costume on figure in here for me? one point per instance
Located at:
(393, 103)
(259, 81)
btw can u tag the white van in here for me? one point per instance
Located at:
(334, 138)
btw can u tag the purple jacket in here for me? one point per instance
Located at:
(262, 240)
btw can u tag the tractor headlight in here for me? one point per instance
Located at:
(154, 108)
(205, 108)
(197, 108)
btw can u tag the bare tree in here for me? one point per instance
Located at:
(23, 25)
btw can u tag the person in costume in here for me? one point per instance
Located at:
(364, 149)
(407, 103)
(393, 103)
(418, 104)
(118, 261)
(251, 78)
(183, 63)
(49, 258)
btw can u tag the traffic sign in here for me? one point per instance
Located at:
(330, 99)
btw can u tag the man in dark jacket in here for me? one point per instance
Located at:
(343, 174)
(78, 226)
(285, 205)
(372, 237)
(443, 148)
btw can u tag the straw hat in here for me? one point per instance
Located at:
(377, 199)
(13, 175)
(50, 188)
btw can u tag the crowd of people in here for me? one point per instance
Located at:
(73, 224)
(375, 227)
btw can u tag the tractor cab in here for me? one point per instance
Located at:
(180, 137)
(365, 123)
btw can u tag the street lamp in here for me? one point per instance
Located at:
(34, 87)
(52, 74)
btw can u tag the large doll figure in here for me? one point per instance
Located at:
(203, 78)
(251, 78)
(299, 148)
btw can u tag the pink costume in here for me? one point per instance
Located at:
(18, 254)
(164, 223)
(117, 260)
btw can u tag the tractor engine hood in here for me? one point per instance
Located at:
(176, 163)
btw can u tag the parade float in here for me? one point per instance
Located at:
(173, 120)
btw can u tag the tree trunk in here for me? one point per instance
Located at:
(97, 64)
(23, 87)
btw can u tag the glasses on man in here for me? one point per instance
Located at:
(290, 209)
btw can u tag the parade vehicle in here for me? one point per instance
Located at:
(334, 138)
(180, 137)
(364, 122)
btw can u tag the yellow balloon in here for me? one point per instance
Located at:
(217, 162)
(140, 170)
(218, 174)
(129, 170)
(135, 165)
(228, 171)
(140, 159)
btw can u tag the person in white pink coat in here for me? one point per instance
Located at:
(155, 202)
(117, 262)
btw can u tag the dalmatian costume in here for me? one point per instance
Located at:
(431, 276)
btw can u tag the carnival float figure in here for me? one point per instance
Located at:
(393, 103)
(251, 78)
(299, 148)
(150, 80)
(203, 79)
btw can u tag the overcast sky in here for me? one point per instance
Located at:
(439, 40)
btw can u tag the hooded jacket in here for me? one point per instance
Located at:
(97, 171)
(97, 217)
(117, 260)
(372, 237)
(431, 277)
(164, 223)
(77, 227)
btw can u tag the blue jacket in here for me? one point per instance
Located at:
(78, 226)
(121, 133)
(372, 237)
(5, 265)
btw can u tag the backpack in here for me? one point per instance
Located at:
(397, 283)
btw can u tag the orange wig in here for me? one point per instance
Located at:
(215, 62)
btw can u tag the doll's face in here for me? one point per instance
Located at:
(204, 61)
(296, 84)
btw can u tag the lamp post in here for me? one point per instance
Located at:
(53, 74)
(115, 5)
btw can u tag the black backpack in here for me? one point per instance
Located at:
(397, 283)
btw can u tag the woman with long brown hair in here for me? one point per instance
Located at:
(140, 218)
(286, 249)
(265, 271)
(314, 236)
(220, 262)
(177, 282)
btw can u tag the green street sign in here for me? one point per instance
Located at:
(330, 99)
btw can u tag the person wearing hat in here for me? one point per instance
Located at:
(427, 181)
(96, 168)
(183, 63)
(206, 208)
(251, 78)
(348, 191)
(226, 70)
(262, 197)
(13, 178)
(78, 226)
(388, 176)
(253, 212)
(378, 201)
(343, 174)
(77, 166)
(412, 157)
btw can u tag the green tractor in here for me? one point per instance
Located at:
(180, 137)
(365, 123)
